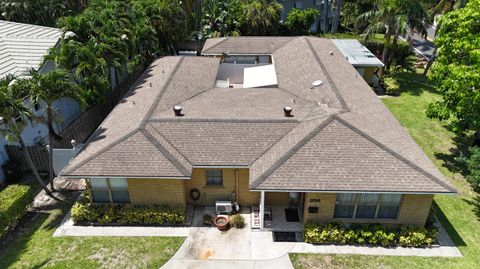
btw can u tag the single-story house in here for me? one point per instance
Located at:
(267, 121)
(23, 47)
(360, 57)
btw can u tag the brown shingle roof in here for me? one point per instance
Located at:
(341, 138)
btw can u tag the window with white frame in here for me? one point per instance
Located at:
(214, 177)
(367, 205)
(109, 190)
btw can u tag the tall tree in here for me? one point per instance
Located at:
(15, 114)
(46, 89)
(457, 68)
(336, 16)
(393, 18)
(262, 17)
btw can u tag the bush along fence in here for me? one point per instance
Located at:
(369, 234)
(14, 199)
(84, 213)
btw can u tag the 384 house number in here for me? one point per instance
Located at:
(314, 200)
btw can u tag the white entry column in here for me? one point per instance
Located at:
(262, 209)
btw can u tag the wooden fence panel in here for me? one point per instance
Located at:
(38, 154)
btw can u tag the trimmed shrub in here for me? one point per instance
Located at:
(13, 201)
(237, 221)
(335, 233)
(391, 85)
(83, 213)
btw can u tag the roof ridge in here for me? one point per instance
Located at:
(395, 154)
(170, 143)
(225, 38)
(159, 96)
(224, 120)
(291, 152)
(293, 38)
(165, 152)
(103, 150)
(327, 75)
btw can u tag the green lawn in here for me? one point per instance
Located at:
(35, 247)
(459, 214)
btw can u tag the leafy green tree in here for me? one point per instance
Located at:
(457, 68)
(15, 114)
(261, 17)
(221, 18)
(46, 88)
(41, 12)
(473, 167)
(298, 21)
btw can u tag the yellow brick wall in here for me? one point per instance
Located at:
(246, 197)
(157, 191)
(276, 198)
(414, 209)
(368, 74)
(326, 206)
(234, 181)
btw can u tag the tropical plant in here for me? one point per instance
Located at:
(220, 18)
(15, 113)
(393, 18)
(41, 12)
(261, 17)
(456, 70)
(298, 21)
(444, 6)
(46, 88)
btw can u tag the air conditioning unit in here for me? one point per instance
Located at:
(223, 207)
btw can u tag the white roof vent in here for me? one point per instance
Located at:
(316, 83)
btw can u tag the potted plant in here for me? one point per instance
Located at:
(207, 220)
(221, 222)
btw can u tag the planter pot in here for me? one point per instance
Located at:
(221, 222)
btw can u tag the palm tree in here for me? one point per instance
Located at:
(336, 15)
(445, 6)
(261, 17)
(15, 113)
(47, 88)
(394, 18)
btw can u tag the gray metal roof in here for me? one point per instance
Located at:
(23, 46)
(356, 53)
(342, 137)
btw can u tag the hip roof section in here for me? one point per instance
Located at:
(341, 136)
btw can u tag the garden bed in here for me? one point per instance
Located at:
(370, 235)
(85, 214)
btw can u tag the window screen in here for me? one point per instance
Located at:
(214, 177)
(388, 206)
(366, 205)
(345, 205)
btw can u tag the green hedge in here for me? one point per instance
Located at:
(82, 213)
(392, 87)
(369, 234)
(13, 202)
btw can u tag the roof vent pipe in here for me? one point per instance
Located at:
(178, 111)
(288, 111)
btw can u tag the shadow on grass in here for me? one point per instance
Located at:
(414, 83)
(456, 238)
(476, 205)
(455, 159)
(18, 240)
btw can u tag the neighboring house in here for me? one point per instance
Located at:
(360, 57)
(288, 5)
(23, 47)
(340, 155)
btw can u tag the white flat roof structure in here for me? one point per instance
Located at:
(23, 46)
(259, 76)
(356, 53)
